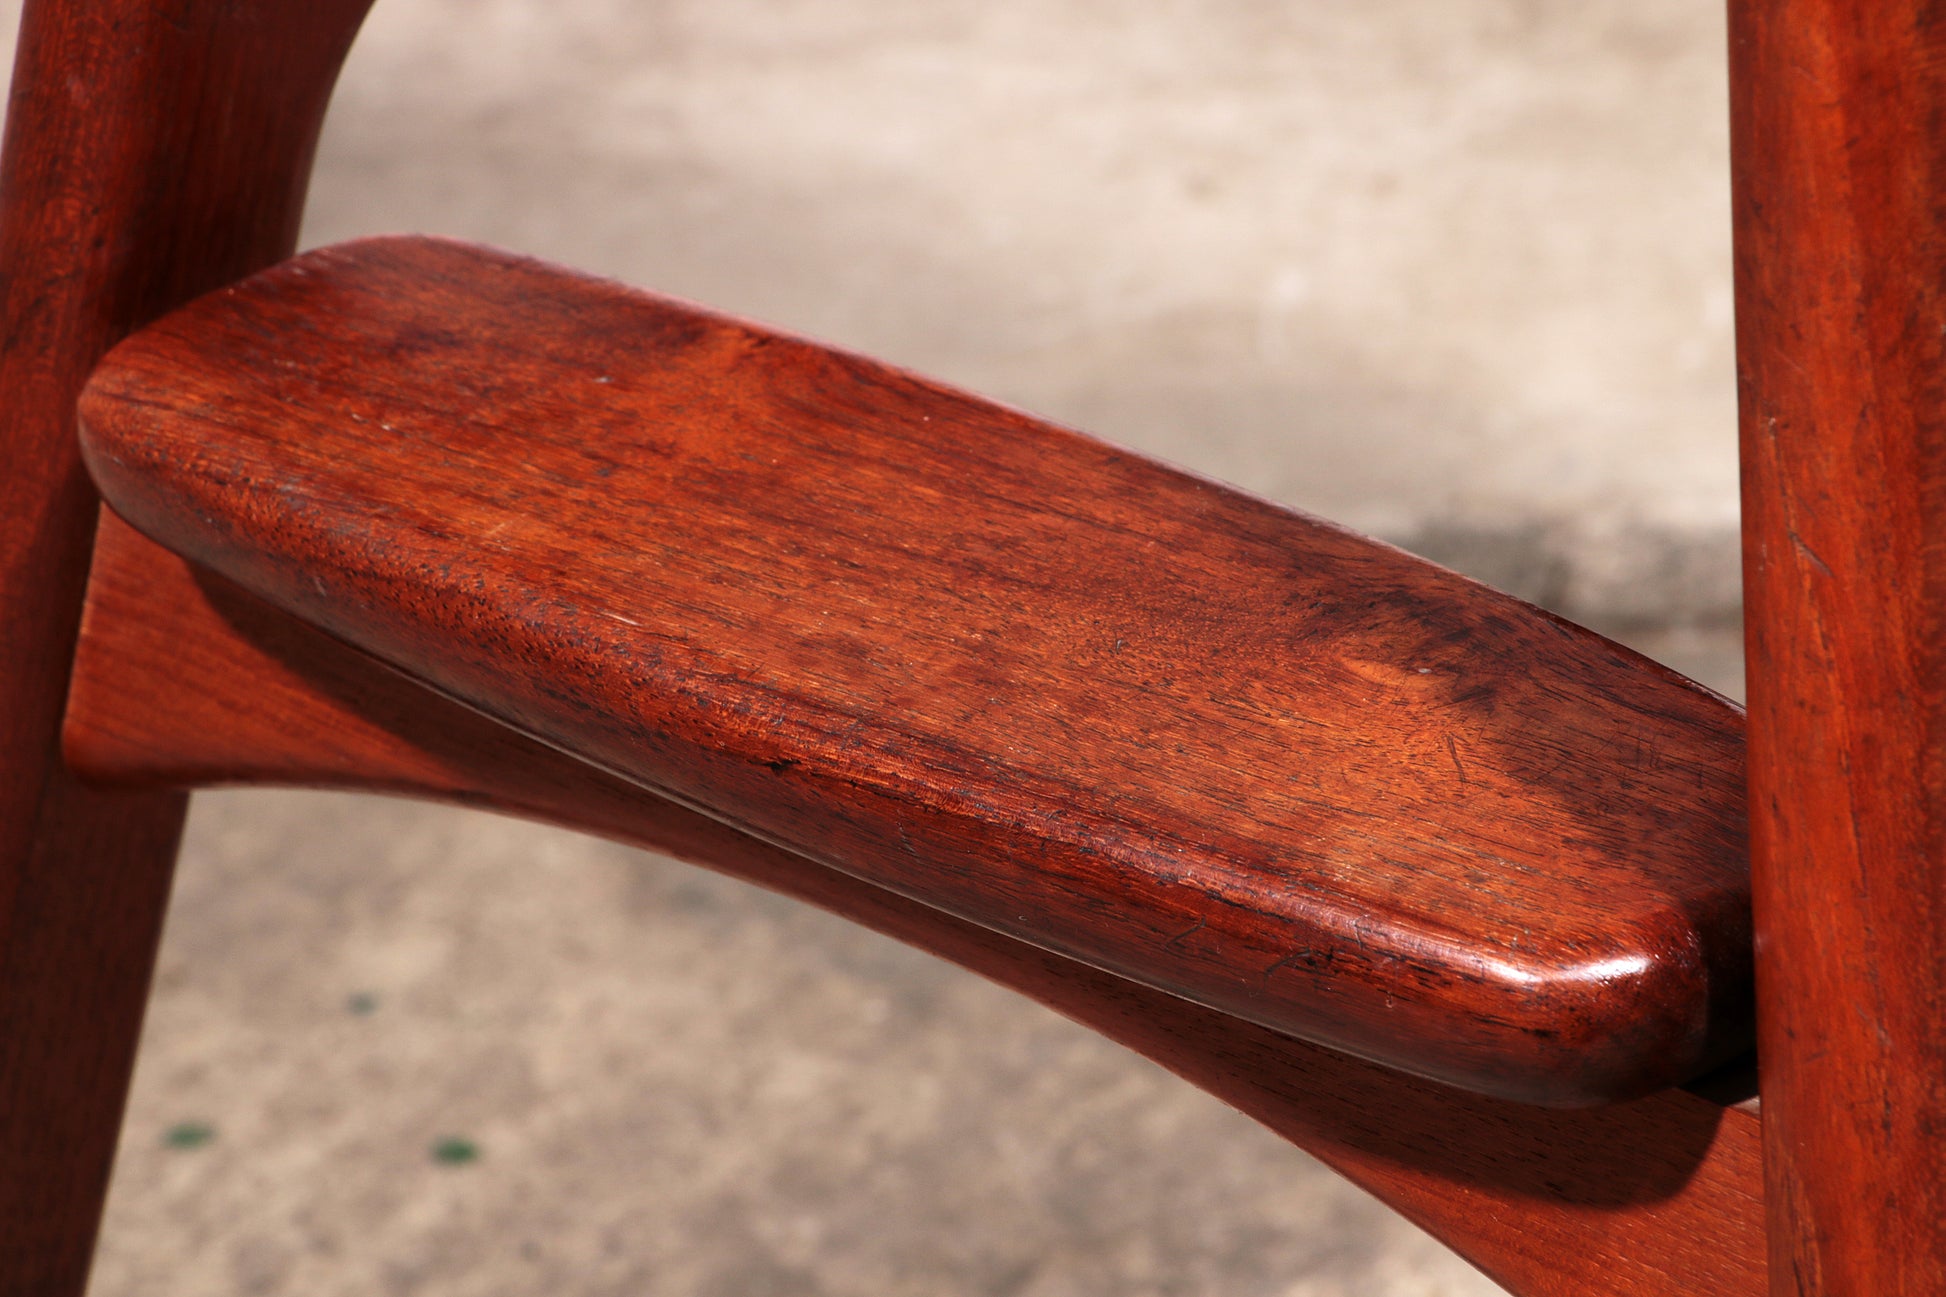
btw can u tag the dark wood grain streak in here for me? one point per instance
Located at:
(154, 149)
(1069, 693)
(1839, 124)
(184, 678)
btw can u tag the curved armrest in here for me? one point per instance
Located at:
(1047, 685)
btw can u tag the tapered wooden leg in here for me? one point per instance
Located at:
(154, 150)
(78, 934)
(1839, 112)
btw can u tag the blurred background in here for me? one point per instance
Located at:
(1454, 272)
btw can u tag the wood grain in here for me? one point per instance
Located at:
(1840, 169)
(1070, 694)
(184, 678)
(154, 149)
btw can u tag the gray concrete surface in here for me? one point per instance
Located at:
(1456, 273)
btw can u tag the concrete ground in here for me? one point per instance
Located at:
(1456, 273)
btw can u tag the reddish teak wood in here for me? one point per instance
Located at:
(154, 149)
(1660, 1196)
(157, 148)
(1068, 693)
(1841, 257)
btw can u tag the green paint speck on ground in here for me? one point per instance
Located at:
(361, 1002)
(189, 1134)
(454, 1151)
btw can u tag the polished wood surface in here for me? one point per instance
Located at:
(1068, 693)
(158, 148)
(154, 149)
(184, 678)
(1840, 174)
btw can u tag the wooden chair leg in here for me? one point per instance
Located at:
(1841, 254)
(186, 171)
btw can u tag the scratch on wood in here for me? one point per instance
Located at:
(1187, 932)
(1301, 955)
(1797, 542)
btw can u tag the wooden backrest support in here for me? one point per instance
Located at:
(159, 148)
(1838, 125)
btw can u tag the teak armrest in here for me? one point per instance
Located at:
(1050, 686)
